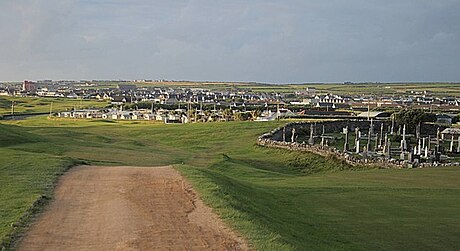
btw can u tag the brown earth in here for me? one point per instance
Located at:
(127, 208)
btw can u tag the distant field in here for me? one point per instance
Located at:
(40, 105)
(279, 200)
(438, 89)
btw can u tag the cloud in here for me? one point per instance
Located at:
(270, 41)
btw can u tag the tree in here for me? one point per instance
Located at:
(412, 117)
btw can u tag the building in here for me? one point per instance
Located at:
(126, 87)
(28, 86)
(450, 132)
(375, 115)
(446, 119)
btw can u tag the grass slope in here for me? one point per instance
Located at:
(279, 200)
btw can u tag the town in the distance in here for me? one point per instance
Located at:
(388, 124)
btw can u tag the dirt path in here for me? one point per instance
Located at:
(127, 208)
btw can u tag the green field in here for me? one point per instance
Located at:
(391, 89)
(27, 105)
(279, 200)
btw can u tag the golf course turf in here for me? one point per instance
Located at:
(278, 200)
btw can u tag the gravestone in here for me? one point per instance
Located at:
(369, 135)
(376, 142)
(403, 140)
(311, 140)
(458, 146)
(345, 145)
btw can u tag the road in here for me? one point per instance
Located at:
(127, 208)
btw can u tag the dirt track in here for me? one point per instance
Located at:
(127, 208)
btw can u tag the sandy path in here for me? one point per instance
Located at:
(127, 208)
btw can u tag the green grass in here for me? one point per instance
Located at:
(27, 105)
(279, 200)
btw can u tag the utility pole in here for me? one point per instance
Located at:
(368, 111)
(189, 110)
(277, 111)
(12, 109)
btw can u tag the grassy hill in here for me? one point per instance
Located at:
(279, 200)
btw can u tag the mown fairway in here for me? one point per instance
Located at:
(277, 199)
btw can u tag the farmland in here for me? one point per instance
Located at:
(436, 89)
(279, 200)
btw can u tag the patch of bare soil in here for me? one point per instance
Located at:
(128, 208)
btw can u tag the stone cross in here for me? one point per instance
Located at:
(357, 139)
(311, 141)
(458, 147)
(419, 147)
(293, 135)
(409, 157)
(357, 145)
(403, 141)
(438, 132)
(381, 135)
(388, 149)
(451, 148)
(368, 147)
(392, 130)
(376, 142)
(365, 152)
(345, 145)
(385, 143)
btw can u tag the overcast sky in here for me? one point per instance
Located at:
(236, 40)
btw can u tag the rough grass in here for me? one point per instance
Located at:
(279, 200)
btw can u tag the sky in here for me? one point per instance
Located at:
(273, 41)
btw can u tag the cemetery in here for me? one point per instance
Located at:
(382, 143)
